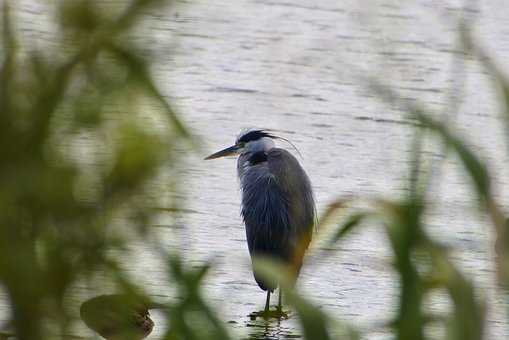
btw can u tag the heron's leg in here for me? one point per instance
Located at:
(279, 306)
(267, 302)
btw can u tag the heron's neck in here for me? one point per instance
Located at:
(262, 144)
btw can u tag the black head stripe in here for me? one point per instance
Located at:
(258, 157)
(254, 135)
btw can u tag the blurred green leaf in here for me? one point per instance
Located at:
(352, 221)
(500, 78)
(474, 166)
(191, 317)
(136, 158)
(468, 317)
(403, 225)
(139, 72)
(479, 173)
(80, 15)
(315, 323)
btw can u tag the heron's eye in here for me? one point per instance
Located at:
(241, 144)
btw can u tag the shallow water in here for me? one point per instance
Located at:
(298, 67)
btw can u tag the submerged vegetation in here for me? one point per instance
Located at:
(77, 155)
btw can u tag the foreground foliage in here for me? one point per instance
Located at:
(76, 154)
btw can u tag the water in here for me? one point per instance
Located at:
(298, 67)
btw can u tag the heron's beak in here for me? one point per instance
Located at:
(232, 150)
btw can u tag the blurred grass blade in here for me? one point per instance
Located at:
(404, 228)
(473, 165)
(139, 70)
(479, 173)
(349, 225)
(416, 163)
(134, 11)
(9, 41)
(315, 323)
(8, 67)
(332, 209)
(468, 317)
(191, 317)
(500, 78)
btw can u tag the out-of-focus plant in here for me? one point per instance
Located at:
(315, 323)
(76, 152)
(191, 318)
(501, 84)
(421, 263)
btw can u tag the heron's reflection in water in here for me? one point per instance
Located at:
(271, 329)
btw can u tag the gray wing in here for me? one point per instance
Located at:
(278, 209)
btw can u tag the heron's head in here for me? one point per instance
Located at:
(248, 141)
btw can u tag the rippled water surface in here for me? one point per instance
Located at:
(298, 67)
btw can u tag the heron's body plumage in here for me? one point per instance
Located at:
(277, 207)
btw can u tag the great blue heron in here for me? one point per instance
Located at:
(277, 203)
